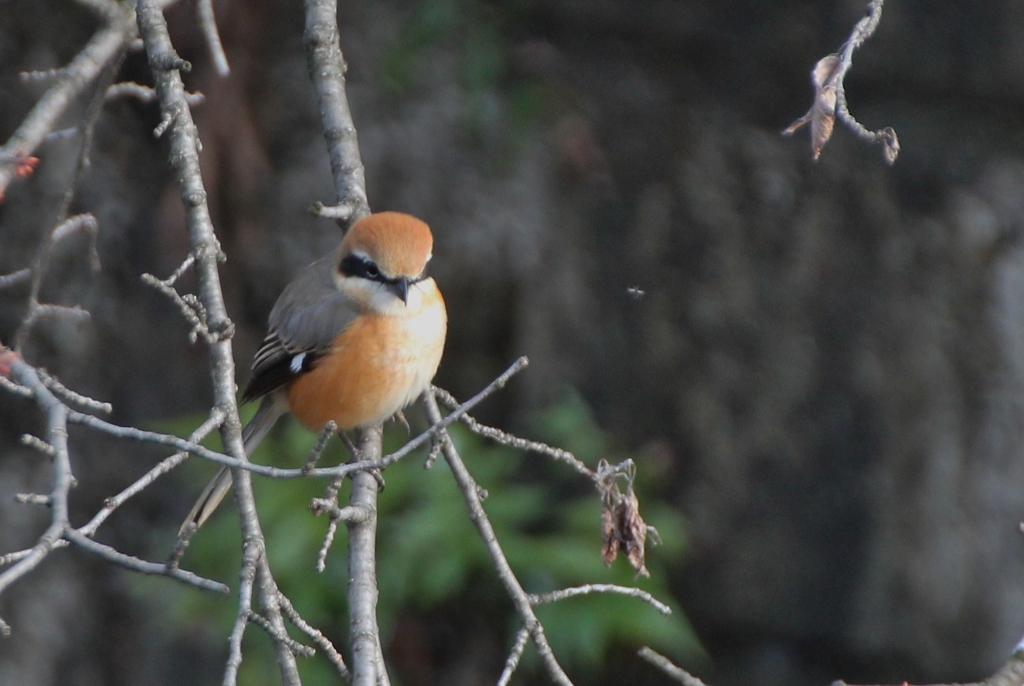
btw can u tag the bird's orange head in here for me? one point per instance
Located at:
(389, 249)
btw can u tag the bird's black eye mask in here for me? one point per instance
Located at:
(360, 265)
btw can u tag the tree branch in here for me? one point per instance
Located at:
(184, 156)
(477, 514)
(104, 47)
(327, 72)
(830, 94)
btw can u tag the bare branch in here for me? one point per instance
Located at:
(32, 499)
(667, 666)
(587, 589)
(57, 437)
(327, 72)
(208, 25)
(508, 439)
(60, 532)
(514, 656)
(281, 473)
(321, 443)
(342, 213)
(830, 94)
(317, 637)
(39, 75)
(130, 89)
(184, 156)
(165, 465)
(41, 312)
(38, 444)
(190, 307)
(248, 579)
(297, 648)
(364, 635)
(102, 50)
(137, 565)
(478, 516)
(73, 397)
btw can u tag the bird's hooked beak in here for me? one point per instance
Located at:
(400, 287)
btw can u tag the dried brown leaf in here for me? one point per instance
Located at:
(823, 111)
(634, 533)
(622, 527)
(610, 548)
(822, 115)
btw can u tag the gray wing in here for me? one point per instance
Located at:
(306, 319)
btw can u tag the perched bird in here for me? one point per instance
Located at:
(354, 338)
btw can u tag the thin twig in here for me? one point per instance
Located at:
(15, 388)
(478, 516)
(667, 666)
(39, 444)
(60, 529)
(208, 25)
(145, 94)
(504, 438)
(314, 455)
(587, 589)
(342, 213)
(167, 464)
(245, 589)
(73, 397)
(272, 472)
(137, 565)
(316, 636)
(297, 648)
(32, 499)
(830, 103)
(101, 50)
(65, 225)
(190, 307)
(56, 422)
(516, 654)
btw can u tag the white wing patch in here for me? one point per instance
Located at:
(296, 364)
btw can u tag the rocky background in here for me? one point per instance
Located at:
(826, 361)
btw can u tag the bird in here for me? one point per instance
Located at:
(355, 337)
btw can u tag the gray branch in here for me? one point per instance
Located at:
(327, 72)
(102, 50)
(477, 514)
(184, 156)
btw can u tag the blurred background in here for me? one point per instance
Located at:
(817, 367)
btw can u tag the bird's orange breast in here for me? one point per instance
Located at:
(377, 366)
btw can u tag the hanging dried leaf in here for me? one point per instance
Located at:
(822, 115)
(610, 549)
(633, 532)
(622, 527)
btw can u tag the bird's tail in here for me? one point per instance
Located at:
(269, 411)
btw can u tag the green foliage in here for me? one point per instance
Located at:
(430, 558)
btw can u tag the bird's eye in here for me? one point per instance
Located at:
(360, 265)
